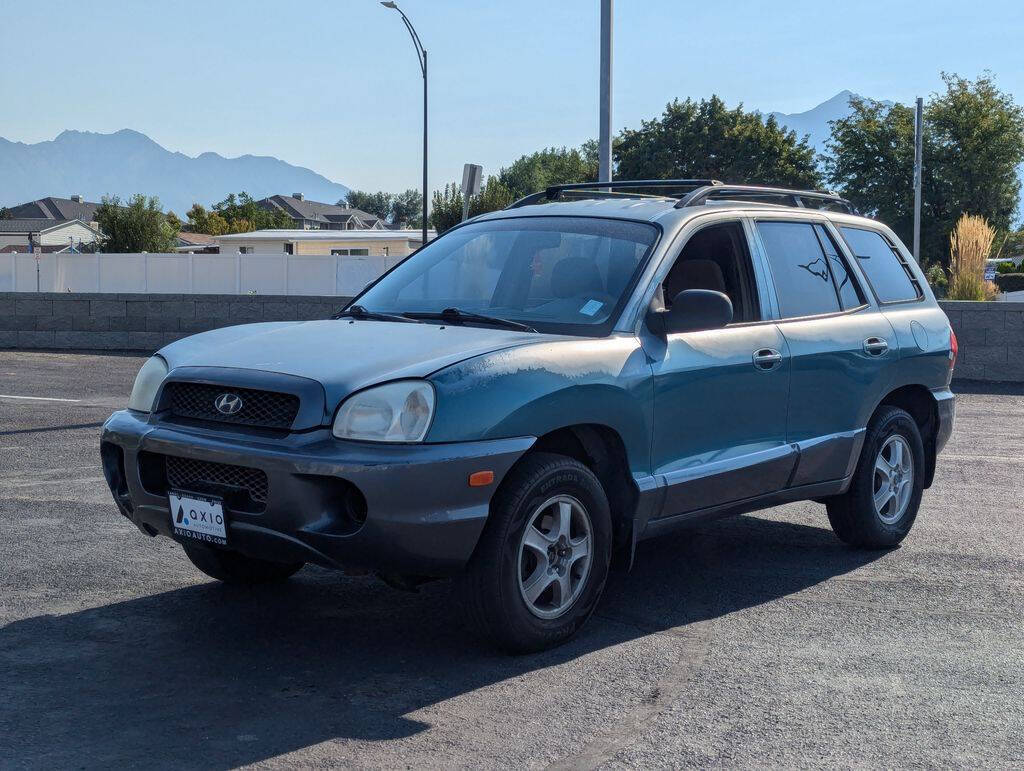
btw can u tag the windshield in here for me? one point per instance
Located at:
(556, 274)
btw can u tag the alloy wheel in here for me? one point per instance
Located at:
(894, 479)
(555, 554)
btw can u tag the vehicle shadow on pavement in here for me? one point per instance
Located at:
(216, 677)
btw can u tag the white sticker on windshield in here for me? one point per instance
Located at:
(591, 307)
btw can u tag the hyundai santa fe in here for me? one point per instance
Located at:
(528, 396)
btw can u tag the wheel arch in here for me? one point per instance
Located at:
(917, 400)
(602, 450)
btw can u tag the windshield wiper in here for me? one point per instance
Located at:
(455, 316)
(361, 313)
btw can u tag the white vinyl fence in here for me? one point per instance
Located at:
(192, 273)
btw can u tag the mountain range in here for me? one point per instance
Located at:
(815, 122)
(126, 162)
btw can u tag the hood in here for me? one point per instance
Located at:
(344, 355)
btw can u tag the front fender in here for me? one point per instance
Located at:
(535, 389)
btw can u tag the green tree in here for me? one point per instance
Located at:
(136, 226)
(378, 204)
(494, 195)
(446, 211)
(407, 209)
(446, 207)
(870, 158)
(706, 140)
(973, 144)
(174, 221)
(550, 166)
(202, 221)
(977, 135)
(5, 213)
(243, 215)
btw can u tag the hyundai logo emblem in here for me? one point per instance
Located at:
(228, 403)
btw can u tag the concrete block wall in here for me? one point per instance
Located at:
(991, 339)
(139, 322)
(991, 335)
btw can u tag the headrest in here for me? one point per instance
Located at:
(575, 277)
(698, 274)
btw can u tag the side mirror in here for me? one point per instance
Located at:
(692, 310)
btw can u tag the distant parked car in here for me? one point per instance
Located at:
(539, 389)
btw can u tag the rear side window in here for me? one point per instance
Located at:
(883, 265)
(803, 281)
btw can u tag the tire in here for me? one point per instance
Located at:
(506, 571)
(854, 516)
(234, 568)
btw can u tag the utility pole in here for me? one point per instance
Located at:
(421, 56)
(918, 173)
(605, 130)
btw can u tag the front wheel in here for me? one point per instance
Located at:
(881, 505)
(234, 568)
(542, 561)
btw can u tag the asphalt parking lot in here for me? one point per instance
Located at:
(758, 641)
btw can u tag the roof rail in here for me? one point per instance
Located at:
(754, 192)
(606, 189)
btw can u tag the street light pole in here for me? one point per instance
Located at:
(918, 172)
(604, 152)
(421, 55)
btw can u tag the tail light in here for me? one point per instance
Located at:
(954, 348)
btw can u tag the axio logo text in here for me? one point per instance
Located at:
(228, 403)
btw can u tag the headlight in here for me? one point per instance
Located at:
(147, 382)
(394, 412)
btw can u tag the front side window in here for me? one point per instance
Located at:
(559, 274)
(883, 265)
(800, 269)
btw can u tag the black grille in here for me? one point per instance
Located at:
(263, 409)
(242, 488)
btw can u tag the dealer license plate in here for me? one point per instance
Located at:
(199, 518)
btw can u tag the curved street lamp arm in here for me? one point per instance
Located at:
(420, 50)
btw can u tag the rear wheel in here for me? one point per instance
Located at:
(881, 505)
(542, 561)
(234, 568)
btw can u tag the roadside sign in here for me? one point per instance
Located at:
(990, 273)
(472, 176)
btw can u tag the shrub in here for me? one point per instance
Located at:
(1006, 266)
(937, 280)
(969, 246)
(1010, 282)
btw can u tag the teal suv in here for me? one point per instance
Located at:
(527, 397)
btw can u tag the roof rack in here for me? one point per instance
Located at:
(694, 192)
(754, 192)
(607, 189)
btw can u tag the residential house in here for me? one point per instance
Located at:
(347, 243)
(51, 208)
(314, 215)
(46, 231)
(196, 243)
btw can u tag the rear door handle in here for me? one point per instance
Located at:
(767, 359)
(875, 346)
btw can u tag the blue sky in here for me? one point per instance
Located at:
(335, 85)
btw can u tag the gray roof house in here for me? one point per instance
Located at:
(51, 208)
(315, 215)
(45, 231)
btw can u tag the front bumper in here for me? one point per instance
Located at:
(420, 516)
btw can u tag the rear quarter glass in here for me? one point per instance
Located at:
(881, 264)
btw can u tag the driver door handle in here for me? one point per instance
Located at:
(767, 359)
(875, 346)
